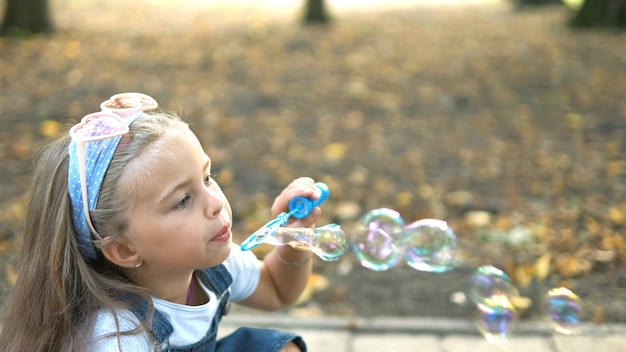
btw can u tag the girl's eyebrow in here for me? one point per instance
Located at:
(169, 191)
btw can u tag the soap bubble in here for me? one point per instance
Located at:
(378, 239)
(430, 245)
(563, 310)
(327, 242)
(488, 281)
(496, 317)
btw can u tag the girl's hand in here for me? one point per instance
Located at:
(300, 187)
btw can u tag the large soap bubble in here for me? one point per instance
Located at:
(430, 245)
(378, 241)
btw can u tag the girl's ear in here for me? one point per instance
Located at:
(121, 253)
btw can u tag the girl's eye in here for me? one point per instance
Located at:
(208, 179)
(181, 204)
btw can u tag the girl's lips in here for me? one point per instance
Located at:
(222, 236)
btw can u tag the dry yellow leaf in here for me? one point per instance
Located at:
(11, 275)
(524, 275)
(477, 218)
(613, 242)
(574, 121)
(521, 303)
(16, 211)
(50, 128)
(570, 266)
(6, 246)
(426, 191)
(335, 151)
(614, 168)
(225, 176)
(542, 266)
(403, 199)
(72, 49)
(557, 185)
(598, 315)
(614, 148)
(22, 148)
(617, 216)
(592, 224)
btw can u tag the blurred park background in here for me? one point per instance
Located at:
(501, 119)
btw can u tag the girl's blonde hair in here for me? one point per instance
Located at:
(53, 305)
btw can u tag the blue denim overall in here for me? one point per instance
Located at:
(218, 279)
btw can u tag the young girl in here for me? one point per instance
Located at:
(127, 247)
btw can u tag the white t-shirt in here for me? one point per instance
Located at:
(190, 323)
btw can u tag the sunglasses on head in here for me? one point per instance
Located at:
(125, 104)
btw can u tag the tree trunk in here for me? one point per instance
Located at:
(25, 17)
(535, 3)
(523, 3)
(315, 12)
(601, 13)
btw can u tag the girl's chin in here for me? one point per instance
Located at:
(222, 253)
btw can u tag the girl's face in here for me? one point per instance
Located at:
(179, 219)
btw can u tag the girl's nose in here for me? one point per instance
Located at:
(215, 203)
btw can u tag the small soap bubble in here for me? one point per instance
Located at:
(430, 245)
(496, 318)
(378, 241)
(488, 281)
(563, 309)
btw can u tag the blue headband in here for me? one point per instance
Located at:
(98, 155)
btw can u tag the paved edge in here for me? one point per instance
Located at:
(408, 325)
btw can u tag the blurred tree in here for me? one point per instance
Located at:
(24, 17)
(315, 12)
(601, 13)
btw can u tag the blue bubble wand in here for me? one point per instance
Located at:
(327, 242)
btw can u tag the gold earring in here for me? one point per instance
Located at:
(138, 264)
